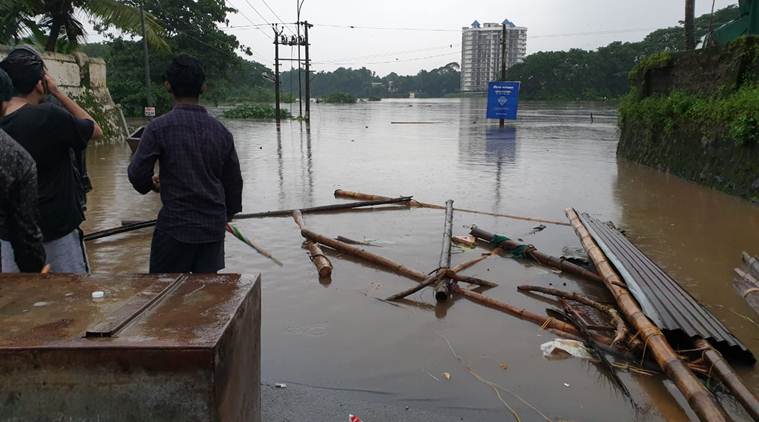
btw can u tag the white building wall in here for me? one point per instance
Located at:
(481, 53)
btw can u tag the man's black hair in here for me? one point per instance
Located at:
(6, 86)
(186, 76)
(25, 68)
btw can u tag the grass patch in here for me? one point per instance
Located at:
(255, 111)
(734, 117)
(339, 98)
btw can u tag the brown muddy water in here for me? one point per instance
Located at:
(337, 335)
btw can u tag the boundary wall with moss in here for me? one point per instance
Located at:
(696, 115)
(83, 78)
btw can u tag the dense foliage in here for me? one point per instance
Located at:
(364, 83)
(255, 111)
(603, 73)
(734, 117)
(55, 25)
(339, 98)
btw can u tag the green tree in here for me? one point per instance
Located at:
(57, 20)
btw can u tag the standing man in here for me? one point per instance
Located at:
(52, 135)
(18, 196)
(200, 181)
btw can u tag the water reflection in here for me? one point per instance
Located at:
(552, 158)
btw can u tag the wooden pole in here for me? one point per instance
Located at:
(729, 378)
(700, 399)
(540, 257)
(322, 263)
(442, 288)
(339, 193)
(277, 213)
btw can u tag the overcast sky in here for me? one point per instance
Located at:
(381, 43)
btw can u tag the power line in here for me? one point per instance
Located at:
(457, 54)
(392, 53)
(272, 11)
(252, 23)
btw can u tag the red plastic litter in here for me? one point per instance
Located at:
(354, 418)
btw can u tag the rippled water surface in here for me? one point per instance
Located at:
(338, 335)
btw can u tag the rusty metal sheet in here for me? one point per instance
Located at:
(661, 298)
(193, 355)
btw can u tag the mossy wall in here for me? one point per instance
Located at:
(696, 115)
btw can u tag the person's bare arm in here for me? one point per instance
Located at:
(72, 107)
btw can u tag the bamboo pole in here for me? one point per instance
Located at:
(539, 257)
(252, 243)
(729, 378)
(428, 282)
(323, 266)
(277, 213)
(382, 261)
(700, 399)
(340, 193)
(521, 313)
(442, 287)
(748, 287)
(752, 263)
(619, 324)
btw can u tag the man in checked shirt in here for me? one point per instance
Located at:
(200, 181)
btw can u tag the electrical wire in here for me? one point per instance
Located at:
(253, 24)
(392, 53)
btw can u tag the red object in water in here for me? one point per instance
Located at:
(353, 418)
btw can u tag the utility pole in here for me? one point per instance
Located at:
(276, 73)
(299, 4)
(501, 122)
(308, 74)
(148, 91)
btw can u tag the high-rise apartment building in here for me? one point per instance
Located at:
(481, 52)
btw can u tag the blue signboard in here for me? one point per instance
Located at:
(503, 100)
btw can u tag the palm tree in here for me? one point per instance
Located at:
(56, 19)
(690, 24)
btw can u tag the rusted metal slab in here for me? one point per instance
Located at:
(661, 298)
(192, 355)
(132, 308)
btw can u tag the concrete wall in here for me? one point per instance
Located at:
(655, 131)
(84, 78)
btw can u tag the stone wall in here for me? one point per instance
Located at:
(84, 79)
(696, 115)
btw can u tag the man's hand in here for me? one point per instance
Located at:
(51, 86)
(156, 183)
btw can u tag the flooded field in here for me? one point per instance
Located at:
(338, 336)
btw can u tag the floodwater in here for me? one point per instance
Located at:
(337, 335)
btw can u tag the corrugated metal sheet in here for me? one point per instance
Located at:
(661, 298)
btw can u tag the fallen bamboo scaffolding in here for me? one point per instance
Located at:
(748, 287)
(619, 324)
(455, 270)
(752, 263)
(277, 213)
(340, 193)
(729, 378)
(539, 257)
(700, 399)
(443, 286)
(322, 263)
(382, 261)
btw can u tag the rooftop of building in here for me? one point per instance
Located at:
(493, 25)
